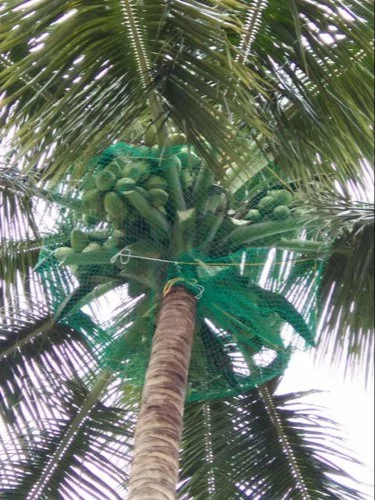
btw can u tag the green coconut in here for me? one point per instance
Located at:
(282, 196)
(63, 252)
(157, 197)
(125, 184)
(115, 206)
(105, 180)
(267, 204)
(78, 240)
(155, 181)
(281, 212)
(253, 215)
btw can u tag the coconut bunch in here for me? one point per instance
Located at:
(161, 204)
(275, 205)
(145, 207)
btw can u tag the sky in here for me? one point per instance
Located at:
(347, 402)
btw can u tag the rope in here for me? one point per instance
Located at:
(127, 254)
(193, 283)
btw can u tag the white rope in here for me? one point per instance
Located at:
(127, 254)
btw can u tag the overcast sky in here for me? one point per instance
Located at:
(347, 402)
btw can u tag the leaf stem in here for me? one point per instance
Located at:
(272, 412)
(144, 67)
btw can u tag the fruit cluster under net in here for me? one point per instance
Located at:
(149, 217)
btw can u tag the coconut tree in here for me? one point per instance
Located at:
(268, 104)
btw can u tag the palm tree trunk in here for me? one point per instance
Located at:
(154, 473)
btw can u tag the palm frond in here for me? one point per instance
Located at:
(72, 75)
(346, 293)
(36, 354)
(21, 214)
(252, 24)
(262, 445)
(347, 299)
(301, 79)
(83, 450)
(318, 60)
(17, 211)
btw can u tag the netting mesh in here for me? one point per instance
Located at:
(144, 220)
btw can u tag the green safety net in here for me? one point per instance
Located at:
(143, 220)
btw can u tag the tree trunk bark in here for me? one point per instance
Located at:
(154, 473)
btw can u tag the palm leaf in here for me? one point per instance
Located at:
(17, 211)
(293, 74)
(318, 60)
(95, 72)
(23, 213)
(81, 451)
(347, 292)
(262, 445)
(36, 353)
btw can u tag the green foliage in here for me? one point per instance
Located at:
(240, 337)
(277, 98)
(288, 465)
(62, 454)
(347, 332)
